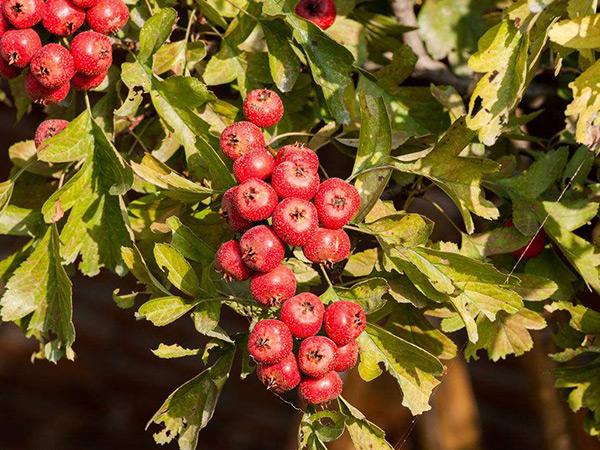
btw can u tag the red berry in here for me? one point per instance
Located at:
(327, 246)
(280, 377)
(316, 356)
(320, 390)
(347, 356)
(320, 12)
(8, 72)
(270, 341)
(23, 13)
(228, 261)
(52, 66)
(298, 152)
(337, 202)
(255, 199)
(85, 4)
(241, 138)
(295, 221)
(62, 17)
(295, 179)
(83, 82)
(230, 213)
(261, 248)
(344, 322)
(256, 164)
(263, 107)
(92, 53)
(48, 129)
(274, 287)
(17, 47)
(108, 16)
(535, 247)
(43, 95)
(5, 25)
(303, 314)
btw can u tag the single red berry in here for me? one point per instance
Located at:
(320, 12)
(62, 17)
(303, 314)
(85, 4)
(7, 71)
(256, 164)
(228, 261)
(23, 13)
(17, 47)
(274, 287)
(108, 16)
(255, 199)
(316, 356)
(83, 82)
(295, 221)
(48, 129)
(535, 247)
(241, 138)
(270, 341)
(280, 377)
(92, 53)
(337, 202)
(298, 152)
(327, 246)
(320, 390)
(5, 25)
(230, 213)
(43, 95)
(344, 322)
(52, 66)
(295, 179)
(261, 248)
(347, 356)
(263, 107)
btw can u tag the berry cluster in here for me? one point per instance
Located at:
(271, 215)
(53, 68)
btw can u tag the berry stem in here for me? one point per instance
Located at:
(87, 104)
(326, 275)
(360, 230)
(369, 169)
(293, 133)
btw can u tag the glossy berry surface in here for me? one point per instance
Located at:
(347, 356)
(108, 16)
(83, 82)
(274, 287)
(256, 164)
(230, 213)
(316, 356)
(320, 12)
(263, 107)
(298, 152)
(23, 13)
(270, 341)
(52, 66)
(43, 95)
(62, 17)
(92, 53)
(5, 25)
(320, 390)
(295, 179)
(337, 202)
(280, 377)
(7, 71)
(327, 246)
(48, 129)
(261, 248)
(228, 261)
(344, 322)
(536, 245)
(295, 221)
(303, 314)
(241, 138)
(255, 199)
(85, 4)
(17, 47)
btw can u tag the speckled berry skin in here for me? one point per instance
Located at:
(298, 152)
(241, 138)
(327, 246)
(270, 341)
(316, 356)
(255, 200)
(535, 248)
(43, 95)
(256, 164)
(320, 12)
(17, 47)
(274, 287)
(337, 202)
(92, 53)
(5, 25)
(344, 321)
(295, 179)
(8, 72)
(228, 261)
(83, 82)
(263, 107)
(347, 356)
(230, 213)
(320, 390)
(108, 16)
(23, 13)
(62, 17)
(262, 250)
(280, 377)
(303, 314)
(85, 4)
(295, 221)
(48, 129)
(52, 66)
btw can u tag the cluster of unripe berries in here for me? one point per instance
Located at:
(53, 68)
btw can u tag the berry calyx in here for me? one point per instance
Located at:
(320, 12)
(535, 247)
(295, 221)
(320, 390)
(52, 66)
(337, 202)
(17, 47)
(43, 95)
(263, 107)
(344, 322)
(298, 152)
(228, 261)
(303, 314)
(85, 4)
(230, 213)
(280, 377)
(316, 356)
(48, 129)
(8, 72)
(270, 341)
(295, 179)
(62, 17)
(261, 249)
(256, 164)
(327, 246)
(83, 82)
(274, 287)
(23, 13)
(346, 357)
(108, 16)
(255, 199)
(241, 138)
(92, 53)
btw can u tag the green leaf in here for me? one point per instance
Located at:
(364, 434)
(585, 105)
(317, 428)
(184, 92)
(283, 62)
(6, 190)
(170, 56)
(406, 230)
(498, 241)
(179, 271)
(22, 100)
(189, 244)
(361, 264)
(155, 32)
(175, 351)
(399, 69)
(136, 264)
(582, 319)
(75, 142)
(368, 294)
(579, 33)
(165, 310)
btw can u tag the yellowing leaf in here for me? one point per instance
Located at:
(579, 33)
